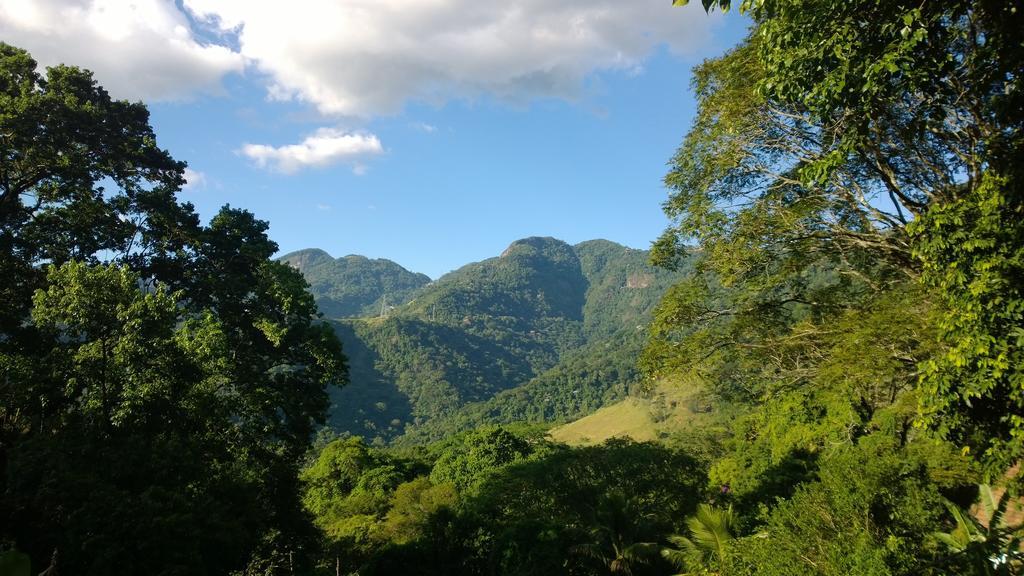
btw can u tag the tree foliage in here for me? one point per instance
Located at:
(870, 142)
(160, 378)
(709, 544)
(870, 511)
(852, 188)
(985, 545)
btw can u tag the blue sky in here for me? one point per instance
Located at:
(365, 128)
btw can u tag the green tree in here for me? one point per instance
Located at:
(884, 137)
(871, 510)
(160, 387)
(80, 175)
(413, 505)
(607, 503)
(363, 500)
(614, 539)
(129, 472)
(851, 186)
(478, 455)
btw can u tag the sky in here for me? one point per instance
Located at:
(429, 132)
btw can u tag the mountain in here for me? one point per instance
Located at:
(354, 285)
(622, 288)
(533, 279)
(544, 332)
(582, 381)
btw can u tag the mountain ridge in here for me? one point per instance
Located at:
(543, 332)
(354, 285)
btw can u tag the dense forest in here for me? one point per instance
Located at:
(545, 332)
(841, 281)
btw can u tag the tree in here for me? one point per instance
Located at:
(986, 545)
(586, 510)
(161, 385)
(65, 141)
(711, 533)
(876, 132)
(870, 511)
(614, 539)
(129, 470)
(413, 505)
(480, 454)
(803, 310)
(364, 499)
(852, 188)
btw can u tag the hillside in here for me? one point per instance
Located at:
(354, 285)
(647, 415)
(533, 279)
(622, 287)
(544, 332)
(595, 375)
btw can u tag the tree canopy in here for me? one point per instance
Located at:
(846, 152)
(851, 189)
(160, 377)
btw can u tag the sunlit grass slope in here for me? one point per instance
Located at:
(671, 405)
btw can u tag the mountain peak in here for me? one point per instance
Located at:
(535, 245)
(354, 285)
(600, 244)
(305, 259)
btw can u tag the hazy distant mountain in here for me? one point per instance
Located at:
(544, 332)
(354, 285)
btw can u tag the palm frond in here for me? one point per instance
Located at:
(683, 543)
(711, 528)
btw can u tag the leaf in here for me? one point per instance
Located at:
(723, 5)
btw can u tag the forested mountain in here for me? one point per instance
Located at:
(595, 375)
(544, 332)
(354, 285)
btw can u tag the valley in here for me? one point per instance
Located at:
(546, 333)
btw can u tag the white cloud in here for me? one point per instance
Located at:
(324, 207)
(355, 57)
(423, 126)
(368, 57)
(194, 179)
(142, 49)
(324, 147)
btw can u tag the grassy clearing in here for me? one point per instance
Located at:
(671, 405)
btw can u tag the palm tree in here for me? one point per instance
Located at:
(613, 540)
(984, 548)
(707, 547)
